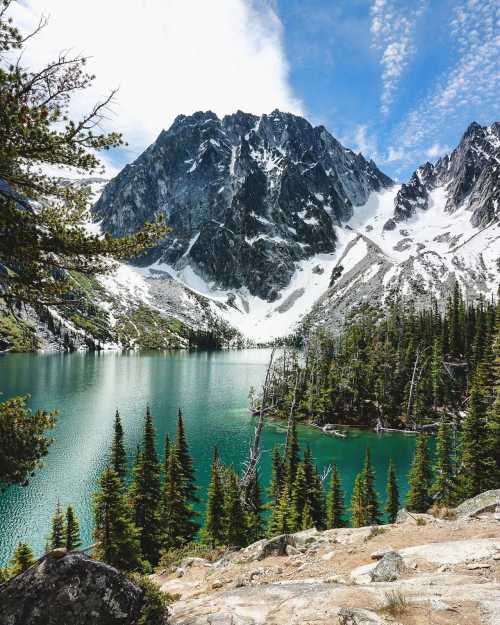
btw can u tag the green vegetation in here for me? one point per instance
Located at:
(16, 335)
(395, 368)
(23, 440)
(148, 329)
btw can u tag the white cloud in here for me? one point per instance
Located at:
(394, 154)
(362, 141)
(436, 149)
(392, 28)
(469, 88)
(167, 57)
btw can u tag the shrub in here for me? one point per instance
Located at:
(395, 603)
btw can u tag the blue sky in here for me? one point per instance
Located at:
(398, 80)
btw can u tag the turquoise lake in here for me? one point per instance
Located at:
(210, 387)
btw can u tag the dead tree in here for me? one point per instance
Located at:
(250, 472)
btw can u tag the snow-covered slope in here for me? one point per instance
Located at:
(247, 197)
(370, 264)
(408, 241)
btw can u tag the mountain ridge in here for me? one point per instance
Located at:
(246, 196)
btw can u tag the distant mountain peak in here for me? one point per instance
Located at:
(247, 196)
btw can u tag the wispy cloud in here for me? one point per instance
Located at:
(469, 87)
(436, 149)
(393, 29)
(361, 140)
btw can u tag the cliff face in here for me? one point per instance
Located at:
(247, 197)
(470, 174)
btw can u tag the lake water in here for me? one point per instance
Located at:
(210, 387)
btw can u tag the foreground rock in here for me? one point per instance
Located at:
(488, 501)
(70, 589)
(444, 572)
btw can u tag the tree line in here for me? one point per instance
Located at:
(391, 368)
(143, 515)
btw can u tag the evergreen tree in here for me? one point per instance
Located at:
(177, 525)
(118, 453)
(474, 451)
(116, 536)
(392, 501)
(299, 499)
(58, 532)
(371, 494)
(418, 498)
(254, 523)
(145, 494)
(22, 559)
(279, 521)
(166, 454)
(315, 496)
(213, 530)
(335, 517)
(277, 478)
(185, 461)
(23, 440)
(291, 457)
(72, 530)
(359, 502)
(234, 515)
(443, 489)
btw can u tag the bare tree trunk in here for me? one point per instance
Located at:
(410, 396)
(292, 406)
(254, 453)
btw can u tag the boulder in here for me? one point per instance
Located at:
(480, 504)
(389, 568)
(70, 588)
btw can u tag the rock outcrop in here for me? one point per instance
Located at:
(70, 589)
(470, 174)
(440, 571)
(247, 197)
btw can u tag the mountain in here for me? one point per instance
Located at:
(274, 224)
(247, 197)
(470, 174)
(415, 240)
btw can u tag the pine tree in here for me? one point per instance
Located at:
(392, 501)
(299, 499)
(315, 496)
(234, 515)
(443, 489)
(118, 453)
(213, 530)
(176, 515)
(72, 530)
(418, 498)
(474, 451)
(335, 517)
(277, 478)
(57, 534)
(116, 536)
(279, 521)
(291, 457)
(185, 461)
(254, 522)
(371, 494)
(22, 559)
(437, 373)
(359, 502)
(145, 494)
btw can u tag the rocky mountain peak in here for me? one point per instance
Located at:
(247, 197)
(469, 174)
